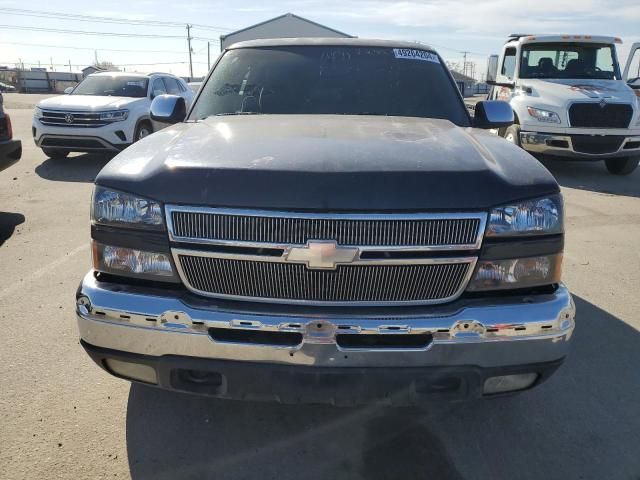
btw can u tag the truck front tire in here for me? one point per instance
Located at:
(512, 134)
(622, 166)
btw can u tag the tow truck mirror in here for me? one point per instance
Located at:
(168, 109)
(492, 114)
(492, 68)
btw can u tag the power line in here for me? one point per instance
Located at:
(85, 32)
(101, 19)
(22, 44)
(117, 64)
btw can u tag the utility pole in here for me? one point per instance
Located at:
(70, 66)
(208, 55)
(95, 54)
(51, 61)
(189, 43)
(464, 63)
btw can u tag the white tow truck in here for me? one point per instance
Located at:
(569, 98)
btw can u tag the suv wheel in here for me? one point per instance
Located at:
(55, 153)
(512, 134)
(143, 130)
(622, 166)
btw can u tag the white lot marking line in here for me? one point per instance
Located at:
(42, 271)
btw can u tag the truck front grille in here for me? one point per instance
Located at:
(596, 144)
(597, 115)
(353, 284)
(325, 259)
(60, 118)
(352, 230)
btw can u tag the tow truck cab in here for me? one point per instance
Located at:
(569, 98)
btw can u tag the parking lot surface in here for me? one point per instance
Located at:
(62, 417)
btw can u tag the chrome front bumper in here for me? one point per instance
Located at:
(486, 333)
(562, 145)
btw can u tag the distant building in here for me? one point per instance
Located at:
(465, 83)
(94, 69)
(284, 26)
(39, 81)
(86, 71)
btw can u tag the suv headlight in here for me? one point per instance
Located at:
(546, 116)
(114, 116)
(541, 216)
(114, 208)
(37, 112)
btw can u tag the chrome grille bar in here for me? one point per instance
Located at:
(447, 231)
(364, 282)
(79, 119)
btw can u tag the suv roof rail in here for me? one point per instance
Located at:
(160, 73)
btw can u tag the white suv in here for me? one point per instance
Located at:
(106, 112)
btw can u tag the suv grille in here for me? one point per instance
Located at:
(593, 115)
(71, 119)
(325, 259)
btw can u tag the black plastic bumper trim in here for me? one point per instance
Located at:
(293, 384)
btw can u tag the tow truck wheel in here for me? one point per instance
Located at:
(55, 154)
(512, 134)
(622, 166)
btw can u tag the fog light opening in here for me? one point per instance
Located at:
(509, 383)
(132, 371)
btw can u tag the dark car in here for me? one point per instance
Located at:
(327, 224)
(10, 150)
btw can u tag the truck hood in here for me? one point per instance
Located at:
(327, 162)
(562, 91)
(87, 102)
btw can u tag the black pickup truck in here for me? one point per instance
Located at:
(327, 224)
(10, 149)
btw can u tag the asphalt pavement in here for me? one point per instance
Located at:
(62, 417)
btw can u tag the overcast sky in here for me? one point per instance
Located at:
(477, 26)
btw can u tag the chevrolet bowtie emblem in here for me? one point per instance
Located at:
(322, 254)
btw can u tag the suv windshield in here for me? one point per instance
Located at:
(331, 80)
(569, 60)
(116, 86)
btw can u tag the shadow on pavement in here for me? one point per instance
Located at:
(592, 176)
(8, 224)
(80, 168)
(583, 423)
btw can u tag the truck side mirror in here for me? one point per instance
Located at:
(493, 114)
(68, 90)
(168, 109)
(492, 68)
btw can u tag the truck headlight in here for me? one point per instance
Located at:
(541, 216)
(114, 115)
(546, 116)
(132, 263)
(114, 208)
(37, 112)
(516, 273)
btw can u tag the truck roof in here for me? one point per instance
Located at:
(333, 42)
(546, 37)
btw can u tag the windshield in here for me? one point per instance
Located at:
(116, 86)
(569, 60)
(331, 80)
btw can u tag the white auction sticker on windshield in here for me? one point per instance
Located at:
(415, 54)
